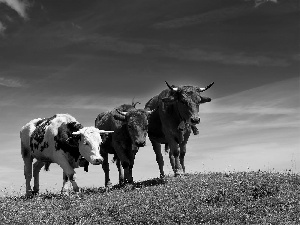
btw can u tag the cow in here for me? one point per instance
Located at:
(176, 114)
(59, 139)
(130, 130)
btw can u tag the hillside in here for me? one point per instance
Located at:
(211, 198)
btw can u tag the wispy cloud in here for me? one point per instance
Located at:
(260, 2)
(15, 83)
(2, 28)
(19, 6)
(236, 58)
(86, 102)
(205, 17)
(221, 14)
(271, 106)
(97, 42)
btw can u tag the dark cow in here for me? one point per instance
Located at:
(130, 127)
(62, 140)
(172, 122)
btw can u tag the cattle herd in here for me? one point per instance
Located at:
(168, 118)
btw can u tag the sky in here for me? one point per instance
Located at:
(86, 57)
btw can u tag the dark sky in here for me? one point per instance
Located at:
(84, 57)
(128, 49)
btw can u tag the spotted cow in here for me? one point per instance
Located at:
(59, 139)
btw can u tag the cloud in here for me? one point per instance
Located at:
(71, 102)
(260, 2)
(236, 58)
(2, 28)
(71, 35)
(19, 6)
(210, 16)
(273, 106)
(115, 44)
(225, 13)
(15, 83)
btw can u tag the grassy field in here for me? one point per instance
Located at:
(204, 198)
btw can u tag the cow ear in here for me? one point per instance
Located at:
(204, 99)
(76, 136)
(149, 112)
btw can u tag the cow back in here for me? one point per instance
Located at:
(48, 135)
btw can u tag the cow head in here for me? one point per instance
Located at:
(187, 99)
(89, 140)
(136, 121)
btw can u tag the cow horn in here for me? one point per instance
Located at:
(105, 131)
(204, 89)
(134, 104)
(122, 113)
(174, 89)
(76, 132)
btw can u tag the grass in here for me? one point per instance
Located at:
(203, 198)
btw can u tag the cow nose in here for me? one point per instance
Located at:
(195, 120)
(98, 161)
(140, 143)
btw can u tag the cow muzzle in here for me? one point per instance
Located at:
(195, 120)
(97, 161)
(140, 143)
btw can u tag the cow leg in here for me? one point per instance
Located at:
(65, 181)
(181, 156)
(28, 173)
(159, 157)
(27, 158)
(128, 168)
(72, 179)
(69, 171)
(105, 167)
(121, 172)
(37, 166)
(174, 158)
(128, 174)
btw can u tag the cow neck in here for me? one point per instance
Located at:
(182, 123)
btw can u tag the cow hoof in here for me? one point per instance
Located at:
(29, 194)
(178, 173)
(121, 184)
(35, 192)
(76, 189)
(108, 186)
(64, 192)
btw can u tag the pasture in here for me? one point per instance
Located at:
(200, 198)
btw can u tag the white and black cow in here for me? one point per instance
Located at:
(59, 139)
